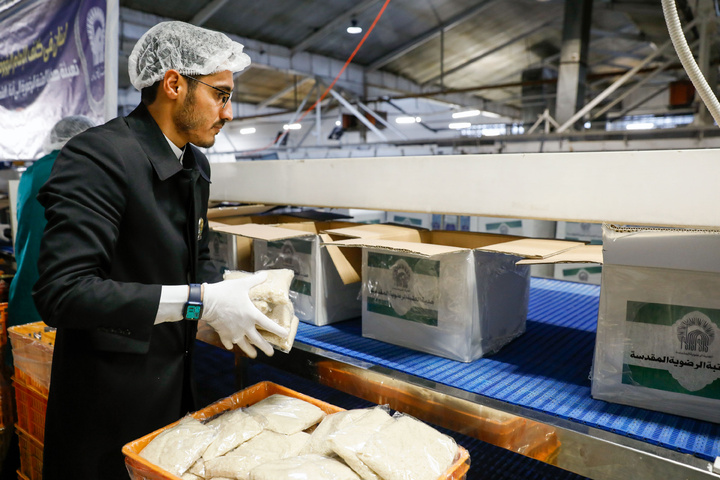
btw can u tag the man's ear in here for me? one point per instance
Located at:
(172, 86)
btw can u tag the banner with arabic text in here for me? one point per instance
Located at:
(52, 65)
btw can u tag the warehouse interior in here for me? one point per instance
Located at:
(484, 202)
(434, 60)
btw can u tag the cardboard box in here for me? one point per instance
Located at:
(231, 251)
(581, 231)
(580, 272)
(326, 287)
(658, 336)
(457, 223)
(504, 226)
(414, 219)
(358, 215)
(513, 226)
(459, 295)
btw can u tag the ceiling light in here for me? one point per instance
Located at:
(466, 113)
(408, 120)
(485, 113)
(247, 131)
(459, 126)
(493, 132)
(292, 126)
(640, 126)
(353, 29)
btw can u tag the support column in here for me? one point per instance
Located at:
(573, 59)
(708, 29)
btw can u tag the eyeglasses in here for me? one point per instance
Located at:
(222, 99)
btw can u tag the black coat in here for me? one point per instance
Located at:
(123, 218)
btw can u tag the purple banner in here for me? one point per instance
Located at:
(52, 65)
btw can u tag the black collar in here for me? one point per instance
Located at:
(156, 146)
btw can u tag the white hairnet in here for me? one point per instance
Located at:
(64, 130)
(183, 47)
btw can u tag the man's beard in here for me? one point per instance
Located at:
(187, 120)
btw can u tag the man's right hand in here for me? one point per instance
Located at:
(229, 310)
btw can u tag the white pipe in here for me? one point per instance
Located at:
(688, 61)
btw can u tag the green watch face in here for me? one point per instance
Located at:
(192, 312)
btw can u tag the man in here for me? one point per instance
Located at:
(127, 233)
(31, 220)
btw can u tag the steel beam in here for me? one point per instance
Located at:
(491, 51)
(573, 59)
(207, 11)
(620, 81)
(429, 35)
(332, 25)
(633, 187)
(359, 115)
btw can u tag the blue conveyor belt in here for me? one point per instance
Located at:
(546, 369)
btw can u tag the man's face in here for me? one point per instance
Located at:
(201, 114)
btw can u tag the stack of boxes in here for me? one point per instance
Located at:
(6, 401)
(32, 347)
(459, 295)
(326, 287)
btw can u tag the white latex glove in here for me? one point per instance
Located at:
(229, 310)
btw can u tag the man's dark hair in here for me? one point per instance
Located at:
(149, 94)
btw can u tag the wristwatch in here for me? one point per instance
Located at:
(194, 307)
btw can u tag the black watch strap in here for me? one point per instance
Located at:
(194, 306)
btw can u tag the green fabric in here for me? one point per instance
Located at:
(30, 226)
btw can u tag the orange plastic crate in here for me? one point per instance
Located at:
(31, 406)
(3, 325)
(508, 431)
(500, 429)
(32, 347)
(31, 455)
(6, 403)
(141, 469)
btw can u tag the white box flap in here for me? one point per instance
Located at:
(662, 248)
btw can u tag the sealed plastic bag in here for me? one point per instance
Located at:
(265, 447)
(306, 467)
(272, 298)
(320, 439)
(178, 448)
(233, 427)
(350, 440)
(408, 449)
(286, 415)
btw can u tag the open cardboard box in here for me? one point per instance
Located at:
(459, 295)
(658, 336)
(326, 287)
(234, 252)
